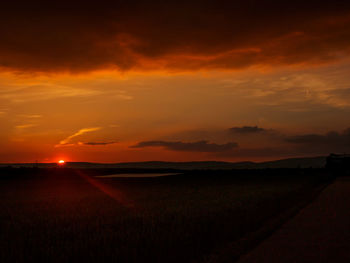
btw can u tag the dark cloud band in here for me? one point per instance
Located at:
(282, 145)
(199, 146)
(171, 35)
(331, 139)
(246, 130)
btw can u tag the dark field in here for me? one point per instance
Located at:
(66, 215)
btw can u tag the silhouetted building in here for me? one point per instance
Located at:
(338, 162)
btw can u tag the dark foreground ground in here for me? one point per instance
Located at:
(65, 215)
(319, 233)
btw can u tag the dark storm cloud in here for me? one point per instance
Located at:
(336, 142)
(298, 145)
(332, 138)
(280, 145)
(246, 130)
(171, 35)
(199, 146)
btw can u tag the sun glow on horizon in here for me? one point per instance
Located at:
(61, 162)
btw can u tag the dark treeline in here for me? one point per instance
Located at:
(176, 174)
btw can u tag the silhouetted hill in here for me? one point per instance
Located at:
(312, 162)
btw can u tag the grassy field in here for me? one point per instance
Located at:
(64, 215)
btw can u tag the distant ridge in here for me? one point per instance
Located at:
(308, 162)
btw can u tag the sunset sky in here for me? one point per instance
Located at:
(173, 80)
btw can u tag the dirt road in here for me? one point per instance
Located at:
(318, 233)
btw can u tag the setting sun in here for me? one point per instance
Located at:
(61, 162)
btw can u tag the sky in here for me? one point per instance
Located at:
(173, 80)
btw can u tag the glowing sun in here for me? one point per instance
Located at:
(61, 162)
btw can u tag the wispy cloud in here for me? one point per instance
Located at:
(25, 126)
(95, 143)
(30, 116)
(22, 93)
(3, 111)
(66, 141)
(198, 146)
(293, 91)
(121, 94)
(46, 93)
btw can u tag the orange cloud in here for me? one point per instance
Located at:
(172, 36)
